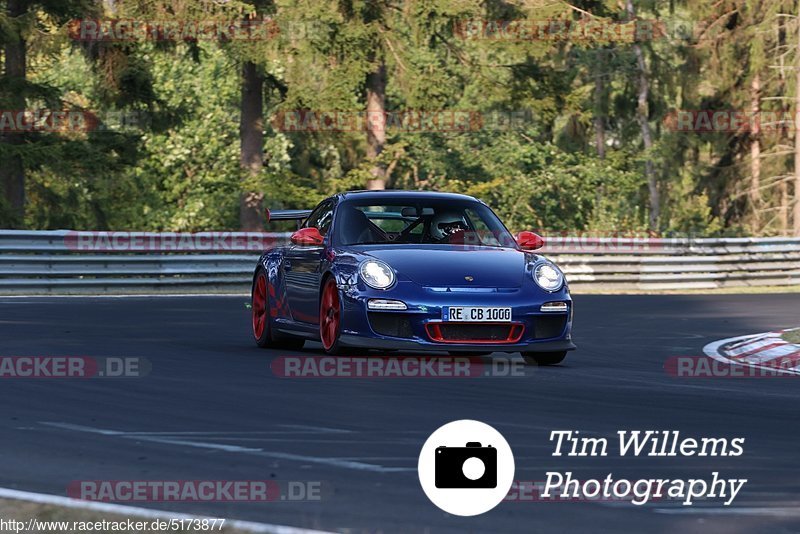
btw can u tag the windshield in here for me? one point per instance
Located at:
(426, 221)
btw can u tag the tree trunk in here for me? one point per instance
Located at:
(755, 155)
(642, 113)
(797, 137)
(251, 213)
(12, 170)
(376, 125)
(783, 186)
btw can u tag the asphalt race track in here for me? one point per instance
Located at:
(211, 409)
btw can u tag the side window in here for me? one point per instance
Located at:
(321, 218)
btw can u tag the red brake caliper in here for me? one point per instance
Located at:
(329, 320)
(259, 306)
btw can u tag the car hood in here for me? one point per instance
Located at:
(449, 266)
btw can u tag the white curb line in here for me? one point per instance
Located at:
(713, 350)
(119, 509)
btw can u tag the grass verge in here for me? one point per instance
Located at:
(792, 336)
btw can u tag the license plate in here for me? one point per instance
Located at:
(464, 314)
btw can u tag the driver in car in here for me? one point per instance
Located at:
(448, 227)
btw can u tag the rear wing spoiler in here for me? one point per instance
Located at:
(288, 215)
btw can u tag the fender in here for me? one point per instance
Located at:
(344, 269)
(270, 261)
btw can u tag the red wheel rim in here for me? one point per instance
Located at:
(329, 315)
(260, 306)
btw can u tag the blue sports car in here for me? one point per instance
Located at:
(411, 270)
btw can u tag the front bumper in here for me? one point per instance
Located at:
(541, 331)
(388, 343)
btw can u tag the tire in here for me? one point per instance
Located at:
(259, 299)
(262, 329)
(544, 358)
(330, 317)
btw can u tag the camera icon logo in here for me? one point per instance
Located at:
(466, 467)
(472, 466)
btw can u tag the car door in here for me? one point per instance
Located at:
(302, 268)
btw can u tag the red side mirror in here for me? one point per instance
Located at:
(307, 237)
(529, 241)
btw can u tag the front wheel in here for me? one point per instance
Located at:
(330, 317)
(544, 358)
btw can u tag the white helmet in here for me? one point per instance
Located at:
(446, 223)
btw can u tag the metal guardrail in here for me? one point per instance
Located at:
(63, 262)
(66, 262)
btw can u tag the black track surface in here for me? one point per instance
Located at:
(210, 384)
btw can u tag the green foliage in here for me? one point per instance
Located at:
(688, 211)
(540, 186)
(179, 169)
(792, 336)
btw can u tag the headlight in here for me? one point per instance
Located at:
(548, 277)
(376, 274)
